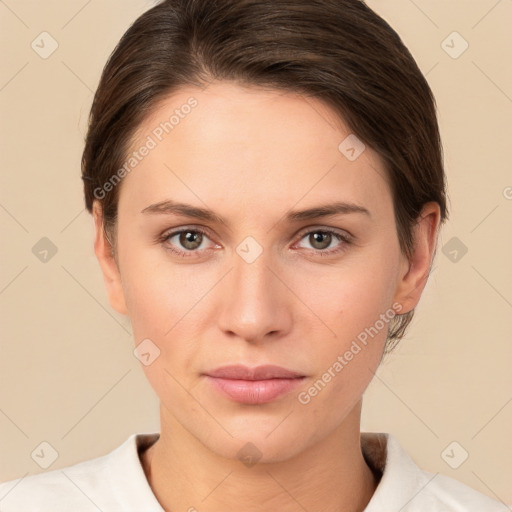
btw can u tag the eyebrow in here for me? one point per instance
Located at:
(170, 207)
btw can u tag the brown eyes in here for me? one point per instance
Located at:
(192, 242)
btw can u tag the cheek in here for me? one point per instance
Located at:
(159, 303)
(353, 302)
(352, 307)
(163, 301)
(150, 303)
(348, 298)
(157, 292)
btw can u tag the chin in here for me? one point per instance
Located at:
(259, 448)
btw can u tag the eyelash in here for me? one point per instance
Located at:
(187, 254)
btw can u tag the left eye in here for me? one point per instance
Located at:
(321, 240)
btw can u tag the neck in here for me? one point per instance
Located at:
(330, 475)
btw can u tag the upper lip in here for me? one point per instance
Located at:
(263, 372)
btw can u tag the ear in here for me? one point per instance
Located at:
(414, 271)
(104, 252)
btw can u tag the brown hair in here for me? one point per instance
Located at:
(337, 51)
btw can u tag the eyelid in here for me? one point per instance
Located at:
(178, 229)
(312, 229)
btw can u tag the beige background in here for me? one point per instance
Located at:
(67, 370)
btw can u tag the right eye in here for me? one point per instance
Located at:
(187, 241)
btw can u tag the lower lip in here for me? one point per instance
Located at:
(254, 391)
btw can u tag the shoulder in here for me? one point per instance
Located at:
(406, 487)
(103, 483)
(70, 488)
(451, 495)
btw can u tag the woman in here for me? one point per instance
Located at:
(267, 187)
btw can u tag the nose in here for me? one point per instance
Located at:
(255, 304)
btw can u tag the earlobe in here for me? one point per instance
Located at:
(414, 271)
(109, 267)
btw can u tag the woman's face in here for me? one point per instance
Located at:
(255, 281)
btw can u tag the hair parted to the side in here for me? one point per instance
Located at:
(337, 51)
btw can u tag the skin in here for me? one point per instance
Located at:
(251, 156)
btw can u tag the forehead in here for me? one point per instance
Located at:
(238, 145)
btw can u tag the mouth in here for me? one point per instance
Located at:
(254, 386)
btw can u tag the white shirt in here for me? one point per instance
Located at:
(117, 482)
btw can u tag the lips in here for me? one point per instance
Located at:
(264, 372)
(254, 386)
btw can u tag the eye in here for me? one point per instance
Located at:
(322, 240)
(190, 242)
(186, 241)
